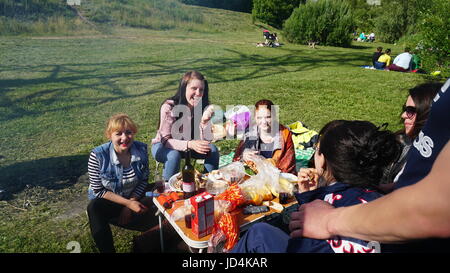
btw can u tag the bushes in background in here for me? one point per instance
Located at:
(328, 22)
(274, 12)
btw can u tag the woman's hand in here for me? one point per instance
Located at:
(200, 146)
(136, 206)
(308, 179)
(207, 114)
(249, 154)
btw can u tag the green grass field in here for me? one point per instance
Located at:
(56, 93)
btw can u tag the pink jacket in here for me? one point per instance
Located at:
(164, 133)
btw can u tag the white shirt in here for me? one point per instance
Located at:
(403, 60)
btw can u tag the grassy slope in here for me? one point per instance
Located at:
(56, 93)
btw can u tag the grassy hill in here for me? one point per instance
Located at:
(56, 92)
(56, 17)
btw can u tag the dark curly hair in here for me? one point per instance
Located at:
(357, 152)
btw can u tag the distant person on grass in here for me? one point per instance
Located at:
(384, 60)
(118, 178)
(402, 63)
(377, 55)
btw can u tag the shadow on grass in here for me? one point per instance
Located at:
(60, 91)
(54, 173)
(103, 77)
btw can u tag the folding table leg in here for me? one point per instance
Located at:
(161, 238)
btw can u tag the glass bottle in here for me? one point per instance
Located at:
(188, 176)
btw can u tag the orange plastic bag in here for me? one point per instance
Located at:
(233, 195)
(225, 234)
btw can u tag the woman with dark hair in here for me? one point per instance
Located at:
(184, 126)
(268, 139)
(349, 161)
(414, 116)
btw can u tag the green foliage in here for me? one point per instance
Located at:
(274, 12)
(398, 18)
(236, 5)
(327, 22)
(435, 30)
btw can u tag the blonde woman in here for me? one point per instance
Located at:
(118, 175)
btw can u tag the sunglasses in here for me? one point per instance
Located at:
(410, 111)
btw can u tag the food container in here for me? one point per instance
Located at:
(202, 214)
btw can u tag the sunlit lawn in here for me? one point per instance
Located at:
(56, 94)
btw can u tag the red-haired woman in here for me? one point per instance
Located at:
(262, 140)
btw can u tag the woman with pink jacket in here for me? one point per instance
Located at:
(185, 125)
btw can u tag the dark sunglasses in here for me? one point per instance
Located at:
(410, 111)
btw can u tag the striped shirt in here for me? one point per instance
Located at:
(131, 186)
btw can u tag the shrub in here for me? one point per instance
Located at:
(273, 12)
(326, 21)
(434, 28)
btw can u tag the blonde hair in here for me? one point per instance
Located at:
(120, 122)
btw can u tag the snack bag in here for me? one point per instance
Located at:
(225, 234)
(263, 185)
(233, 195)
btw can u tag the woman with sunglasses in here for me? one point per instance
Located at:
(414, 116)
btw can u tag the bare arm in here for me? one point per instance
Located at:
(415, 212)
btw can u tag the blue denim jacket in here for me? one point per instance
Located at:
(111, 171)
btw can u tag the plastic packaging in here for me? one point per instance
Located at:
(262, 186)
(182, 211)
(218, 181)
(240, 115)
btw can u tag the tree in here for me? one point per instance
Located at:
(328, 22)
(274, 12)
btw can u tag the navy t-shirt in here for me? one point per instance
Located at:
(431, 140)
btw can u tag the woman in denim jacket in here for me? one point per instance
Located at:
(118, 175)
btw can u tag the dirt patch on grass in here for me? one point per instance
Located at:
(76, 205)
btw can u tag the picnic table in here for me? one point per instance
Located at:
(194, 243)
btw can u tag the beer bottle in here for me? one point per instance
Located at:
(188, 176)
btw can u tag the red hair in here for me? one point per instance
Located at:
(267, 103)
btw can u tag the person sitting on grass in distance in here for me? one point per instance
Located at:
(118, 178)
(384, 60)
(402, 62)
(414, 116)
(377, 55)
(268, 139)
(171, 142)
(349, 163)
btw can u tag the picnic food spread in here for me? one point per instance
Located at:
(228, 190)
